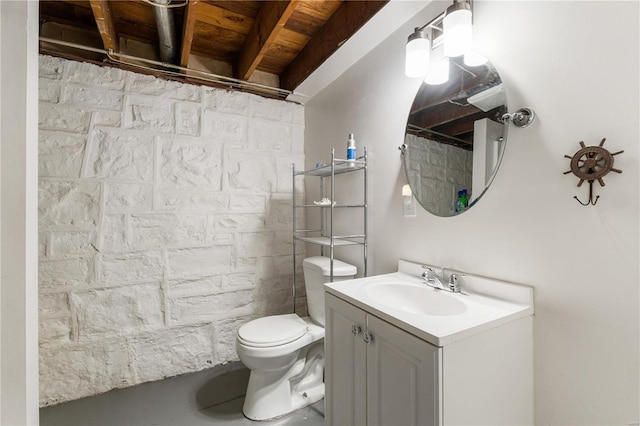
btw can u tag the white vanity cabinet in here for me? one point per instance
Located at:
(345, 374)
(377, 373)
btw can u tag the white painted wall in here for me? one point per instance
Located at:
(165, 224)
(19, 237)
(583, 261)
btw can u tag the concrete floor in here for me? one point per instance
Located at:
(211, 397)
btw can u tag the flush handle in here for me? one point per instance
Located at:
(356, 329)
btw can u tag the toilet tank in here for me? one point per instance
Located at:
(317, 271)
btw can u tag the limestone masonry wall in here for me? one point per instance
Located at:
(164, 220)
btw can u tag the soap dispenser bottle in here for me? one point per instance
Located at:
(351, 147)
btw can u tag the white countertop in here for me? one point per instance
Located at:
(489, 303)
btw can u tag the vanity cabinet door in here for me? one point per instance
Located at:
(345, 364)
(403, 384)
(376, 373)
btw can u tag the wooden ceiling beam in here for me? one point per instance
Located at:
(104, 20)
(188, 30)
(348, 19)
(442, 114)
(271, 19)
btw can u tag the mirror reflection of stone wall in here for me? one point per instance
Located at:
(461, 118)
(440, 171)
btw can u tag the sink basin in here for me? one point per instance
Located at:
(439, 317)
(415, 299)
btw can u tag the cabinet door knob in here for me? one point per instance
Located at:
(356, 329)
(367, 337)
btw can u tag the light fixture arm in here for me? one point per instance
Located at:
(433, 26)
(433, 23)
(436, 23)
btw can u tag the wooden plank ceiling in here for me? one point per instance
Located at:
(274, 43)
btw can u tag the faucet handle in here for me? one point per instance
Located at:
(453, 282)
(429, 274)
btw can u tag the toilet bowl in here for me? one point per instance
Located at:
(285, 353)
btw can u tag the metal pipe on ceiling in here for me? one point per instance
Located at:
(181, 72)
(166, 31)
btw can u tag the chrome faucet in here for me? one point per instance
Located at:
(431, 278)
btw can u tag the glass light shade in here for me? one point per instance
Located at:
(456, 26)
(439, 74)
(417, 55)
(474, 59)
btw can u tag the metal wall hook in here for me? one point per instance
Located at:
(521, 118)
(592, 163)
(591, 200)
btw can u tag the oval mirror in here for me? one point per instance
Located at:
(455, 138)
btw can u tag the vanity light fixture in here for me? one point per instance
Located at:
(439, 74)
(456, 26)
(417, 54)
(452, 29)
(420, 43)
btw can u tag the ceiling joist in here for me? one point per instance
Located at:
(188, 32)
(270, 21)
(348, 19)
(282, 40)
(104, 20)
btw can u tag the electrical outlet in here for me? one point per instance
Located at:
(408, 202)
(409, 206)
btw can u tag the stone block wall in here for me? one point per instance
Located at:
(442, 169)
(164, 220)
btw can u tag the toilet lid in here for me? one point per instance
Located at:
(273, 330)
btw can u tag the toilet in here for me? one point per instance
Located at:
(285, 353)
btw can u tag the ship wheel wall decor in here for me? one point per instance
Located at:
(592, 163)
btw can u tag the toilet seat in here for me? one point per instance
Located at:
(273, 330)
